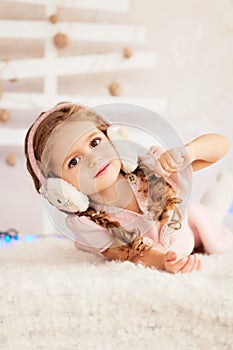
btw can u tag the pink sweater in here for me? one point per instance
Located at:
(199, 226)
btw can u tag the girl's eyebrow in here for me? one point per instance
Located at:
(96, 132)
(70, 155)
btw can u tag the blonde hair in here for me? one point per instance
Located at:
(161, 194)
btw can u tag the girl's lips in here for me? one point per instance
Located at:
(102, 170)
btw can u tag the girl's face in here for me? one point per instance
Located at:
(82, 155)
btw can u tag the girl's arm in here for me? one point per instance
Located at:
(152, 258)
(169, 261)
(206, 150)
(200, 153)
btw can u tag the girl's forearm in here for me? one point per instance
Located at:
(208, 148)
(152, 258)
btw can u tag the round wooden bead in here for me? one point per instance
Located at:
(54, 18)
(115, 88)
(11, 159)
(60, 40)
(127, 52)
(4, 115)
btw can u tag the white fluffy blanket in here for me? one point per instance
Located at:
(54, 297)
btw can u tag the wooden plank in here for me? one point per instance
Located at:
(13, 137)
(39, 102)
(50, 54)
(82, 64)
(158, 104)
(76, 31)
(31, 101)
(103, 5)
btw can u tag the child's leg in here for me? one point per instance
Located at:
(208, 232)
(218, 199)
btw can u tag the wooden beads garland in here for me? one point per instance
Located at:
(54, 18)
(115, 88)
(5, 115)
(11, 159)
(61, 40)
(127, 52)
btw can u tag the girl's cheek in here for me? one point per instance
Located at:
(111, 153)
(71, 176)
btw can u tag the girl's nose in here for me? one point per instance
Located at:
(93, 159)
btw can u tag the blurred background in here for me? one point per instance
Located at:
(173, 56)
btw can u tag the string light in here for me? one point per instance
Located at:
(231, 209)
(11, 235)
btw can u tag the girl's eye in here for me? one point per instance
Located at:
(74, 161)
(95, 142)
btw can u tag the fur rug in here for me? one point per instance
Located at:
(54, 297)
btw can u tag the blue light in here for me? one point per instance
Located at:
(7, 239)
(231, 209)
(16, 238)
(29, 238)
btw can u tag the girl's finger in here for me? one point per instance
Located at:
(199, 265)
(167, 170)
(196, 262)
(170, 161)
(170, 256)
(163, 171)
(199, 268)
(190, 264)
(178, 155)
(176, 266)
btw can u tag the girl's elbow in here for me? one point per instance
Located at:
(226, 145)
(223, 144)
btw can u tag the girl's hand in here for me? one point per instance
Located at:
(173, 264)
(174, 159)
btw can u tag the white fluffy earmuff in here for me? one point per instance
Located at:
(124, 147)
(64, 196)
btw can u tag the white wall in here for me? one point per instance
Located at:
(194, 43)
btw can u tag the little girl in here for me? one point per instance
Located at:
(119, 204)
